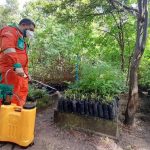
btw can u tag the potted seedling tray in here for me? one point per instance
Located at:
(88, 115)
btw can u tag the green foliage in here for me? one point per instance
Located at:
(36, 92)
(99, 80)
(9, 13)
(39, 95)
(94, 30)
(144, 70)
(98, 30)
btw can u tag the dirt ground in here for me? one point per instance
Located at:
(49, 137)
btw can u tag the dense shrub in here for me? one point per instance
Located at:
(98, 81)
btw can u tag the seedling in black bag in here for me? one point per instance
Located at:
(91, 108)
(65, 104)
(105, 111)
(78, 107)
(95, 109)
(86, 107)
(74, 107)
(111, 111)
(100, 110)
(70, 107)
(81, 103)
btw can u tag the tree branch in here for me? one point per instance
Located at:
(129, 9)
(110, 34)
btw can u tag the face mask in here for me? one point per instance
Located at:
(29, 34)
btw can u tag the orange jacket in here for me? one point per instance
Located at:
(11, 37)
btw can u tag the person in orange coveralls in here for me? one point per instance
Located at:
(14, 59)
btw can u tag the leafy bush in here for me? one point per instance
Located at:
(98, 81)
(144, 72)
(39, 95)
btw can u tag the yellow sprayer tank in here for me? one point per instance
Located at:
(17, 124)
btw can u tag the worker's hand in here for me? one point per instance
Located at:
(20, 72)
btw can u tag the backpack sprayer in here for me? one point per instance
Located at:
(17, 123)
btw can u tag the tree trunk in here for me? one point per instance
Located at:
(122, 45)
(142, 25)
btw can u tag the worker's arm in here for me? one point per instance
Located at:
(9, 41)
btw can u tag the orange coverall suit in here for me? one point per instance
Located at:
(11, 37)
